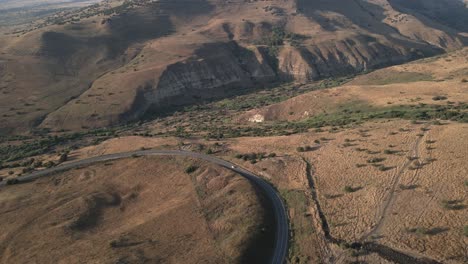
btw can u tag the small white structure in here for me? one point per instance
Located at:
(258, 118)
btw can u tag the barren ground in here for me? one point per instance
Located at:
(135, 210)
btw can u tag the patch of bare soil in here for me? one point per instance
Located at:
(136, 210)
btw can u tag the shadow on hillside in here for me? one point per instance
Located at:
(260, 247)
(453, 14)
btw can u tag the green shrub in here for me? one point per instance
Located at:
(452, 204)
(27, 169)
(38, 164)
(418, 230)
(439, 98)
(49, 164)
(190, 169)
(375, 160)
(350, 189)
(384, 168)
(63, 158)
(390, 152)
(12, 181)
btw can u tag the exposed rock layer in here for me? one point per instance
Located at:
(161, 55)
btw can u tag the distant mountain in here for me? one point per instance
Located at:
(17, 12)
(113, 62)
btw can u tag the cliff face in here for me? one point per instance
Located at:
(213, 66)
(214, 71)
(345, 57)
(161, 55)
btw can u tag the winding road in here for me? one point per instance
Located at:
(282, 226)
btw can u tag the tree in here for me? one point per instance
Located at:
(63, 157)
(190, 169)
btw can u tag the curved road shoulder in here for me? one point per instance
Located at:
(281, 228)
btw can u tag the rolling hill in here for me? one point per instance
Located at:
(113, 62)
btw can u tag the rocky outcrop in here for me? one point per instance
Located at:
(214, 71)
(344, 57)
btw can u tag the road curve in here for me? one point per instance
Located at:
(282, 227)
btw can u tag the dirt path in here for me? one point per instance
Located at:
(385, 211)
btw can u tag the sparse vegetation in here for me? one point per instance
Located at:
(12, 181)
(301, 225)
(423, 231)
(191, 169)
(47, 144)
(439, 98)
(375, 160)
(452, 204)
(351, 189)
(306, 148)
(254, 157)
(390, 151)
(63, 157)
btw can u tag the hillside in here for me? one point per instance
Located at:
(118, 212)
(112, 63)
(372, 169)
(413, 84)
(17, 12)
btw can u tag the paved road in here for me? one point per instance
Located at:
(282, 227)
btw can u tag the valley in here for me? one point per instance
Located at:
(355, 114)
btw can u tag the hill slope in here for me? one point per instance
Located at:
(118, 62)
(118, 212)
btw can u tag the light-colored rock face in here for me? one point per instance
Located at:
(214, 66)
(214, 71)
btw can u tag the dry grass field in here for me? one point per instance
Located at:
(391, 182)
(136, 210)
